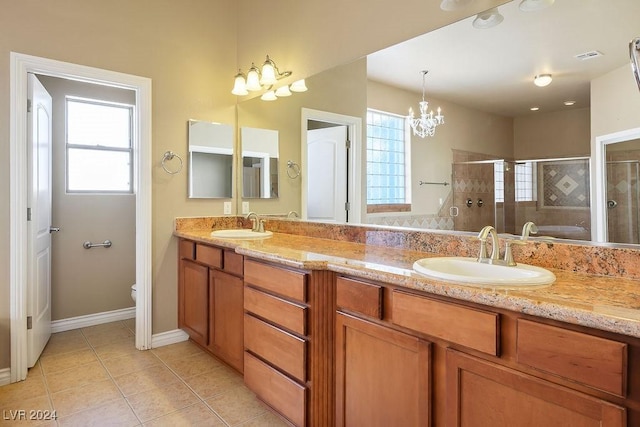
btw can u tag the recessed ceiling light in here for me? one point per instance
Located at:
(542, 80)
(534, 108)
(533, 5)
(569, 103)
(487, 19)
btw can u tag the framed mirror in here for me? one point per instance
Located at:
(259, 163)
(210, 159)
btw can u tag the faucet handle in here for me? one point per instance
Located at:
(508, 252)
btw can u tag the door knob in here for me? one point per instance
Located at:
(54, 229)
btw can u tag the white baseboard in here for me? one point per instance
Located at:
(5, 376)
(92, 319)
(169, 337)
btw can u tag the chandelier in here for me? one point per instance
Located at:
(427, 122)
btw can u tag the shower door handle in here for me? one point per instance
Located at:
(54, 229)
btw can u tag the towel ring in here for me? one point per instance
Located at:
(169, 155)
(293, 169)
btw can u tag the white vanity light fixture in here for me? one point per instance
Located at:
(487, 19)
(451, 5)
(258, 79)
(298, 86)
(426, 124)
(269, 96)
(534, 5)
(542, 80)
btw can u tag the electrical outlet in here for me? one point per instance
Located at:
(245, 207)
(227, 208)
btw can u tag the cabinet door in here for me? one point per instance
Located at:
(194, 301)
(382, 376)
(480, 394)
(227, 317)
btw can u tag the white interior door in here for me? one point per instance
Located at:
(39, 226)
(327, 174)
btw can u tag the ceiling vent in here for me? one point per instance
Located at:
(588, 55)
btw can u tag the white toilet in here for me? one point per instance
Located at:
(133, 292)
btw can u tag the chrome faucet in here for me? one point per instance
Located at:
(256, 223)
(293, 214)
(495, 245)
(528, 228)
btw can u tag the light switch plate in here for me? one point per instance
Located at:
(245, 207)
(227, 208)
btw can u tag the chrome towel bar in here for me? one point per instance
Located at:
(89, 245)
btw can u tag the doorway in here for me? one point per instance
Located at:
(21, 66)
(343, 186)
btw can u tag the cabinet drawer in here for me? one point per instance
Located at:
(186, 249)
(283, 394)
(233, 263)
(280, 348)
(457, 324)
(363, 298)
(288, 283)
(209, 255)
(593, 361)
(286, 314)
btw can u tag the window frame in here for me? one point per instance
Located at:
(101, 148)
(392, 207)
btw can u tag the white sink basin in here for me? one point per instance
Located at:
(471, 272)
(240, 233)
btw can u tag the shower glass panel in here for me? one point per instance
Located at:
(475, 196)
(623, 207)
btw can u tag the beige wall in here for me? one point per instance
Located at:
(464, 129)
(97, 280)
(615, 102)
(557, 134)
(187, 48)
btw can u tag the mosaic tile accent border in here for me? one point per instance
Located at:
(564, 184)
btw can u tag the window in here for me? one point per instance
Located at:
(525, 182)
(99, 150)
(498, 180)
(388, 170)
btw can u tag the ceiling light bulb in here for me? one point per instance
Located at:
(269, 96)
(283, 91)
(487, 19)
(240, 85)
(534, 5)
(534, 108)
(253, 78)
(569, 103)
(268, 73)
(542, 80)
(298, 86)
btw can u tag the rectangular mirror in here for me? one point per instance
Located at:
(210, 160)
(259, 163)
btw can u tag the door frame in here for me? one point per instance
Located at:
(598, 164)
(354, 125)
(20, 66)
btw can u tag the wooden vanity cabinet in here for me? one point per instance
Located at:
(210, 299)
(462, 364)
(382, 375)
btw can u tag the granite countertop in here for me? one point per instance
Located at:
(600, 302)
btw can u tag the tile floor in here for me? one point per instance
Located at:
(95, 377)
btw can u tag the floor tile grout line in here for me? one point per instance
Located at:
(183, 380)
(116, 383)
